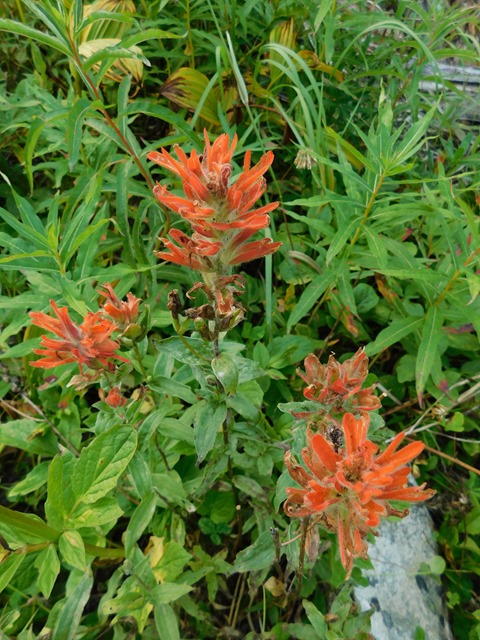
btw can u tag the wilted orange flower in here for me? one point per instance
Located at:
(349, 487)
(339, 386)
(88, 343)
(221, 214)
(124, 313)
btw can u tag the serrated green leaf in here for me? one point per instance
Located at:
(100, 465)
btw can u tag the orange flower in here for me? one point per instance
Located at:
(191, 252)
(222, 216)
(339, 386)
(115, 399)
(124, 313)
(88, 343)
(350, 487)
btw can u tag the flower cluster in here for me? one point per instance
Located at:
(90, 343)
(222, 215)
(338, 387)
(122, 313)
(349, 483)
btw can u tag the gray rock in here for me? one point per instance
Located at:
(404, 598)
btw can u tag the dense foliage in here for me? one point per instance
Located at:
(146, 502)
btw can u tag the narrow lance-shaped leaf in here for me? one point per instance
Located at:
(76, 117)
(427, 351)
(395, 332)
(310, 296)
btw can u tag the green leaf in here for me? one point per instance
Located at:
(376, 246)
(122, 211)
(28, 32)
(316, 618)
(166, 622)
(414, 138)
(72, 608)
(9, 567)
(25, 230)
(61, 498)
(172, 561)
(310, 296)
(257, 556)
(76, 116)
(72, 549)
(149, 34)
(341, 238)
(35, 479)
(28, 435)
(100, 465)
(397, 330)
(208, 421)
(427, 351)
(167, 386)
(226, 372)
(48, 566)
(345, 289)
(139, 521)
(169, 592)
(437, 565)
(104, 511)
(456, 423)
(324, 8)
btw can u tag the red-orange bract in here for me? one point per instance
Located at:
(221, 214)
(338, 387)
(124, 313)
(349, 488)
(88, 343)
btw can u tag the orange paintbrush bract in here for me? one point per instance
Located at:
(222, 215)
(349, 487)
(88, 343)
(123, 313)
(338, 387)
